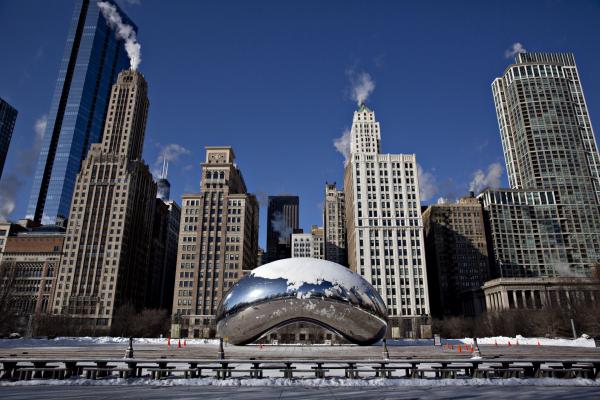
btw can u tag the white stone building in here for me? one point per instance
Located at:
(384, 225)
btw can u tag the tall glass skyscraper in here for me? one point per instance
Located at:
(92, 59)
(8, 116)
(549, 145)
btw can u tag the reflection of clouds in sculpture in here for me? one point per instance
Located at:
(302, 289)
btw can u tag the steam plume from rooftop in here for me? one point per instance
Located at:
(122, 31)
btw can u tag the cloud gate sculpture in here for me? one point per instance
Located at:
(302, 289)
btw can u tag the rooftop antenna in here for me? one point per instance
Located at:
(165, 169)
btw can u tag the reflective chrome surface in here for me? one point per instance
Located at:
(302, 289)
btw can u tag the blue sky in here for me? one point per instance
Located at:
(274, 80)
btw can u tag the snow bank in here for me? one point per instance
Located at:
(503, 340)
(92, 341)
(327, 382)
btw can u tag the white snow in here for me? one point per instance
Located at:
(327, 382)
(300, 271)
(532, 341)
(91, 341)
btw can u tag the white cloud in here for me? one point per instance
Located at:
(515, 49)
(342, 144)
(40, 126)
(427, 184)
(171, 152)
(490, 179)
(362, 86)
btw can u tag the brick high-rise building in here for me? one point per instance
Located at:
(28, 271)
(386, 245)
(107, 245)
(8, 116)
(549, 145)
(282, 220)
(218, 243)
(457, 257)
(334, 210)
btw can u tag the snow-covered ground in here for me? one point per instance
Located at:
(520, 340)
(327, 382)
(88, 341)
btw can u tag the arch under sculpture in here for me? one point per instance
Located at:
(302, 289)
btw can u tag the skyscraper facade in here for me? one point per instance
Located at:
(92, 59)
(457, 257)
(109, 233)
(218, 243)
(549, 145)
(524, 233)
(334, 225)
(282, 220)
(8, 116)
(385, 230)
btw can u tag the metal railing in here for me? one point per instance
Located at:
(407, 368)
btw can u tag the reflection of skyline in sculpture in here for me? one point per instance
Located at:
(302, 289)
(282, 221)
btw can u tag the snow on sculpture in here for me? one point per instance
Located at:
(302, 289)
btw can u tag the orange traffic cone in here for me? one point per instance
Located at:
(184, 343)
(496, 343)
(509, 345)
(179, 344)
(472, 350)
(459, 348)
(169, 342)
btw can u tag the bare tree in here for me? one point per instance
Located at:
(7, 293)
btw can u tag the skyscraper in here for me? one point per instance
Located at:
(524, 233)
(282, 221)
(385, 230)
(218, 243)
(109, 233)
(457, 257)
(164, 186)
(549, 145)
(334, 225)
(92, 59)
(8, 116)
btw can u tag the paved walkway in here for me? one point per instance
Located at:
(254, 393)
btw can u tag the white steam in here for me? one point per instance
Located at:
(40, 127)
(482, 180)
(427, 184)
(123, 31)
(515, 49)
(281, 226)
(342, 145)
(14, 180)
(362, 86)
(563, 269)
